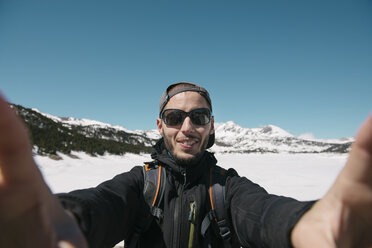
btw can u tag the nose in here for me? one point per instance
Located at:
(187, 125)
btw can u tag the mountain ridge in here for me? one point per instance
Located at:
(51, 134)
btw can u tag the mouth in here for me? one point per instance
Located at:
(187, 143)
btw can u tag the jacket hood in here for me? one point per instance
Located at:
(192, 172)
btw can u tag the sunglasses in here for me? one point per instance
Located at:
(175, 117)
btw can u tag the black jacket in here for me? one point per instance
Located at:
(111, 212)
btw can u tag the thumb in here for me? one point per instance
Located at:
(359, 166)
(15, 148)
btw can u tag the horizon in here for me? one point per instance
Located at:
(305, 136)
(302, 66)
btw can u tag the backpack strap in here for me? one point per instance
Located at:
(154, 178)
(154, 187)
(217, 214)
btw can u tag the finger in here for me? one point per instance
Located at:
(15, 149)
(364, 136)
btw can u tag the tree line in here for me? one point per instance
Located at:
(50, 137)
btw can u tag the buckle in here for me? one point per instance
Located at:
(157, 212)
(224, 229)
(226, 234)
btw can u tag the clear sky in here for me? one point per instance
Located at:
(305, 66)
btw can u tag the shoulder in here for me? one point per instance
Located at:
(134, 174)
(131, 180)
(228, 173)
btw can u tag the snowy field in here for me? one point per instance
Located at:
(302, 176)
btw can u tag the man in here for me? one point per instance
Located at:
(31, 216)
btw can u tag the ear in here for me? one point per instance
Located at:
(212, 126)
(159, 123)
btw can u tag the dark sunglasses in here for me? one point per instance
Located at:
(175, 117)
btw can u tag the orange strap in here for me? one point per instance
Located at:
(210, 188)
(158, 186)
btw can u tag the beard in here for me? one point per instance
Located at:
(185, 162)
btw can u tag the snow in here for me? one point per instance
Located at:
(311, 137)
(85, 171)
(231, 131)
(307, 136)
(152, 134)
(230, 137)
(301, 176)
(69, 121)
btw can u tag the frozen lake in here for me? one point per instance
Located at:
(302, 176)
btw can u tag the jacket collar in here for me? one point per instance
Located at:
(192, 172)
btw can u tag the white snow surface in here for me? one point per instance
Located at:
(301, 176)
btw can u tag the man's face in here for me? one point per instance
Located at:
(187, 141)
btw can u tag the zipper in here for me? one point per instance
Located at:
(192, 223)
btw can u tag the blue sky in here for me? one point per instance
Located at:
(305, 66)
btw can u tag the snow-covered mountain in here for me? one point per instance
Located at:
(101, 130)
(230, 137)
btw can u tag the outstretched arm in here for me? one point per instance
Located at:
(29, 213)
(343, 218)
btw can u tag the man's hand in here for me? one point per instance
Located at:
(30, 216)
(343, 218)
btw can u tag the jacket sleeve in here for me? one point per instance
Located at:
(106, 214)
(261, 219)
